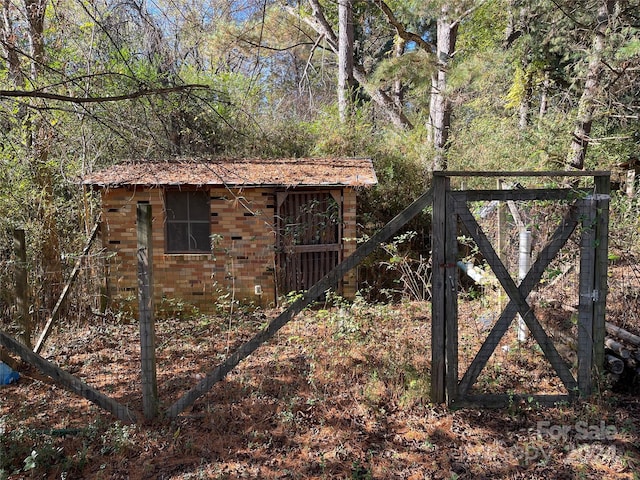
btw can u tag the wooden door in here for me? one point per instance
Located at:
(309, 237)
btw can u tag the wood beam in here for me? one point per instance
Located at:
(67, 380)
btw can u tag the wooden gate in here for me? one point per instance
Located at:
(588, 207)
(309, 243)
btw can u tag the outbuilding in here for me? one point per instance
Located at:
(247, 230)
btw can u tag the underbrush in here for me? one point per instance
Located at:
(342, 391)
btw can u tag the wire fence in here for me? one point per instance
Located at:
(520, 234)
(102, 348)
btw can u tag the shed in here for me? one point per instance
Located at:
(251, 230)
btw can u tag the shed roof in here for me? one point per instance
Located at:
(354, 172)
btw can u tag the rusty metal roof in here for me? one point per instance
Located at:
(353, 172)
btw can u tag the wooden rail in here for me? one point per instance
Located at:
(67, 380)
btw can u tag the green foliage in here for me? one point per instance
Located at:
(484, 141)
(400, 159)
(174, 309)
(414, 69)
(629, 50)
(270, 92)
(333, 138)
(624, 225)
(23, 450)
(484, 29)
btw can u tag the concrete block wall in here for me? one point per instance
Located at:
(242, 225)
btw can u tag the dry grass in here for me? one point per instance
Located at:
(341, 392)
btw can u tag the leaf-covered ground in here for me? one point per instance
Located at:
(340, 392)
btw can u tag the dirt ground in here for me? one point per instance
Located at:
(342, 391)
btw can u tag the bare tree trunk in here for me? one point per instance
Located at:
(397, 91)
(543, 96)
(513, 31)
(345, 59)
(35, 10)
(440, 111)
(40, 143)
(319, 23)
(21, 286)
(586, 106)
(525, 102)
(8, 42)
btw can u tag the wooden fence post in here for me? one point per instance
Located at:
(451, 298)
(587, 296)
(603, 195)
(501, 246)
(146, 312)
(21, 287)
(438, 288)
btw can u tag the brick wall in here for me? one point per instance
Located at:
(349, 283)
(242, 222)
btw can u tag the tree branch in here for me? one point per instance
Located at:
(319, 23)
(308, 64)
(273, 49)
(466, 13)
(117, 98)
(401, 31)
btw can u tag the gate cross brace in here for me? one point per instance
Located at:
(517, 296)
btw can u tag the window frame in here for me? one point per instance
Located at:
(188, 220)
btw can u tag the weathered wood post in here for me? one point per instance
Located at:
(21, 287)
(603, 195)
(593, 283)
(587, 295)
(146, 312)
(444, 322)
(451, 298)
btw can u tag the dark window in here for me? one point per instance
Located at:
(187, 222)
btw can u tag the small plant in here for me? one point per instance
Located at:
(117, 439)
(346, 324)
(290, 298)
(30, 461)
(414, 273)
(24, 450)
(175, 308)
(417, 386)
(359, 471)
(124, 308)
